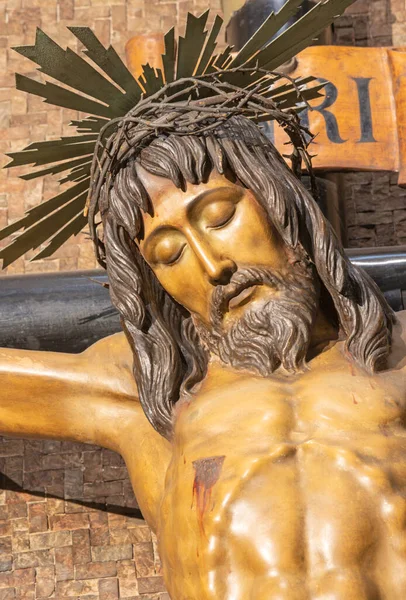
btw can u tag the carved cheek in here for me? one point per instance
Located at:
(256, 241)
(187, 286)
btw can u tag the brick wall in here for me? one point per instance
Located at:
(24, 119)
(398, 10)
(367, 23)
(375, 204)
(375, 210)
(55, 542)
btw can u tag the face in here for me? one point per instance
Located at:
(195, 240)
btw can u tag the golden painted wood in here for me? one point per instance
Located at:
(342, 427)
(306, 474)
(91, 398)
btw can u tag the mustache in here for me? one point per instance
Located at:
(277, 332)
(242, 279)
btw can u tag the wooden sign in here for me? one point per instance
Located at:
(143, 49)
(361, 120)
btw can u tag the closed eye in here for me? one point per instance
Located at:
(218, 214)
(225, 221)
(174, 258)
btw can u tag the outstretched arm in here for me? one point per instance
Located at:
(89, 397)
(63, 396)
(398, 356)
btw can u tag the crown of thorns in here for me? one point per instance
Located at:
(195, 93)
(191, 112)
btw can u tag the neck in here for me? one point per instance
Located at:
(324, 333)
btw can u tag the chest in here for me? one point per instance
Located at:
(249, 451)
(248, 413)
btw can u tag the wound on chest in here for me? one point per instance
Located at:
(207, 473)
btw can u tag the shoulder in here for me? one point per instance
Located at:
(115, 345)
(400, 327)
(113, 358)
(398, 356)
(401, 318)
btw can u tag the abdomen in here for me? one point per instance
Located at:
(298, 523)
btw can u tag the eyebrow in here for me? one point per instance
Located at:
(207, 193)
(190, 207)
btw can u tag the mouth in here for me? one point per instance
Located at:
(242, 288)
(242, 297)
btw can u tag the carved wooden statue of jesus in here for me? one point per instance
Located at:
(258, 392)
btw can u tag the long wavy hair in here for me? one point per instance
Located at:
(169, 357)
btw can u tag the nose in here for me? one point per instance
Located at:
(223, 272)
(218, 269)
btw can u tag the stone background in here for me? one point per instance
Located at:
(52, 546)
(24, 119)
(375, 204)
(58, 541)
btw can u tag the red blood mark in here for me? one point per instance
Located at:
(353, 399)
(352, 370)
(182, 406)
(207, 473)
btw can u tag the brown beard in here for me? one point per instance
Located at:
(277, 332)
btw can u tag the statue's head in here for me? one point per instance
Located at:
(214, 247)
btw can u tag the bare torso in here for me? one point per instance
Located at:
(289, 488)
